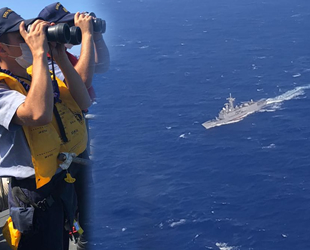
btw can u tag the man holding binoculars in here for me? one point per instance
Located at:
(94, 56)
(40, 117)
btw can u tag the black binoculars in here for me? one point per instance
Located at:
(62, 33)
(98, 23)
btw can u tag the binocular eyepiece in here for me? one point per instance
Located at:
(75, 35)
(98, 23)
(62, 33)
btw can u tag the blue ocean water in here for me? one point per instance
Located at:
(164, 182)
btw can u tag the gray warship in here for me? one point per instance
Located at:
(231, 113)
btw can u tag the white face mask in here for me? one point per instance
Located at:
(25, 60)
(68, 45)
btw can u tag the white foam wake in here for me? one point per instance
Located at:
(298, 91)
(224, 246)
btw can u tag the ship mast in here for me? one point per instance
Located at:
(231, 102)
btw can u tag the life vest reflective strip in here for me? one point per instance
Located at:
(44, 141)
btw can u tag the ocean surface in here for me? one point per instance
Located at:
(163, 181)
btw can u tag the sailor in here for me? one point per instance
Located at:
(94, 56)
(94, 59)
(39, 119)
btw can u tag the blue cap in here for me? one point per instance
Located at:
(10, 21)
(56, 12)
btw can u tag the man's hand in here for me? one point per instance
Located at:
(58, 51)
(36, 37)
(85, 22)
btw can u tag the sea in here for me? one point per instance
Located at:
(164, 182)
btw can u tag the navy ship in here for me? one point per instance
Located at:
(231, 113)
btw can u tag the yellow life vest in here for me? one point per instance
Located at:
(11, 235)
(45, 141)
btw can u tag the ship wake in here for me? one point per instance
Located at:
(291, 94)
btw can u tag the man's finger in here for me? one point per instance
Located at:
(22, 29)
